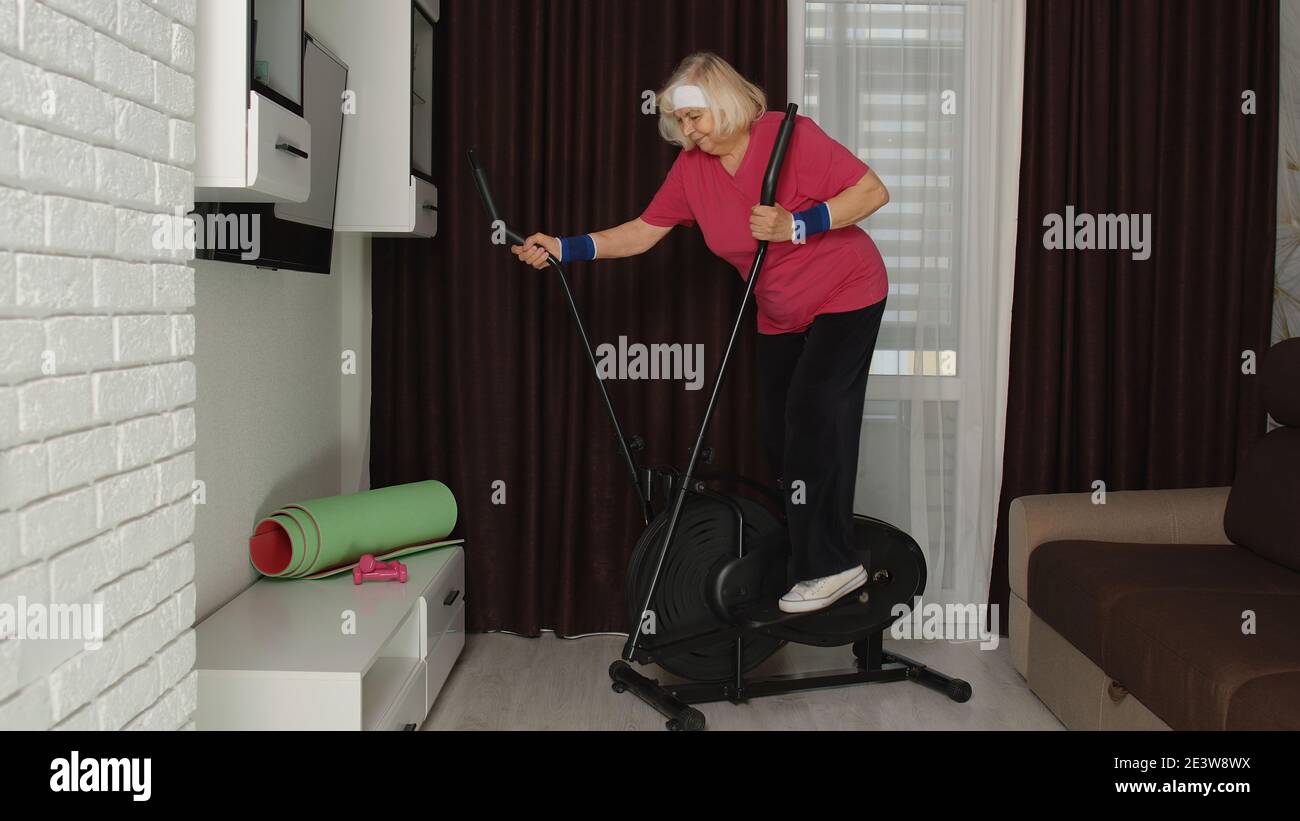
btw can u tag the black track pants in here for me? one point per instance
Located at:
(813, 388)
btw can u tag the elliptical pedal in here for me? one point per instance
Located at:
(766, 614)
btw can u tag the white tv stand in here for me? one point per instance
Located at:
(331, 655)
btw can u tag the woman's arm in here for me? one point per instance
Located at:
(849, 207)
(627, 240)
(854, 204)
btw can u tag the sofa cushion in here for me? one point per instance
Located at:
(1280, 382)
(1263, 511)
(1073, 585)
(1184, 655)
(1270, 702)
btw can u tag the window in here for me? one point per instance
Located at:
(883, 79)
(888, 81)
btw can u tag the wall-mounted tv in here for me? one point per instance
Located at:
(296, 236)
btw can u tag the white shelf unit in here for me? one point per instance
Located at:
(252, 142)
(277, 657)
(384, 185)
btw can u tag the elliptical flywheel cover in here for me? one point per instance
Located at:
(705, 538)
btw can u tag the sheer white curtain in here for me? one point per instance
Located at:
(929, 95)
(1286, 300)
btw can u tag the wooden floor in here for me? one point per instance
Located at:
(508, 682)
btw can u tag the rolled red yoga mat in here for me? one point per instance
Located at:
(320, 535)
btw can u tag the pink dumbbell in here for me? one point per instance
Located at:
(371, 569)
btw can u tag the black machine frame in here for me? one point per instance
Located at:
(874, 663)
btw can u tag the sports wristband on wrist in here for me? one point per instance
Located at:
(816, 220)
(574, 249)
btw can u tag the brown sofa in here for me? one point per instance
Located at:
(1135, 614)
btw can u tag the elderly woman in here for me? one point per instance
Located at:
(820, 298)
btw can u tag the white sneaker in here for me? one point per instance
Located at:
(815, 594)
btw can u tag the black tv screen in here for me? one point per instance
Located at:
(278, 243)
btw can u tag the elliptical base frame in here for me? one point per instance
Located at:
(875, 666)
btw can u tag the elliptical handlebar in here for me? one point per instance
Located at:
(484, 194)
(773, 173)
(489, 205)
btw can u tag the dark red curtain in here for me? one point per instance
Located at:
(1128, 371)
(478, 375)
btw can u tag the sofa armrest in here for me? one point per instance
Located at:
(1183, 516)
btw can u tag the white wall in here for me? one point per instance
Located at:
(97, 378)
(278, 419)
(352, 263)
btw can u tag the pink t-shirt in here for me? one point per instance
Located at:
(832, 272)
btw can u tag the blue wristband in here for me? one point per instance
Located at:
(577, 248)
(816, 220)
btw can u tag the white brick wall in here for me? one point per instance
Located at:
(96, 341)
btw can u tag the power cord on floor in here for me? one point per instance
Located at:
(552, 630)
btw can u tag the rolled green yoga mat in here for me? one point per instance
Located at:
(318, 535)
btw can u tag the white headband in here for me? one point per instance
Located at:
(687, 96)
